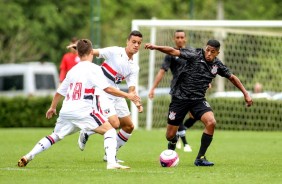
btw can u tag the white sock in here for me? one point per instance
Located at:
(43, 144)
(181, 133)
(89, 132)
(122, 138)
(110, 143)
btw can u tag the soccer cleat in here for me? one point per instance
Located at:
(187, 148)
(117, 160)
(117, 166)
(23, 161)
(82, 139)
(203, 162)
(178, 144)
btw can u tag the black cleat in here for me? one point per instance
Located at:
(203, 162)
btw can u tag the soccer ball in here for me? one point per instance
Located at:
(169, 158)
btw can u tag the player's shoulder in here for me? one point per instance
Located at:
(113, 48)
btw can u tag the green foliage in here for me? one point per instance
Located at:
(40, 30)
(240, 157)
(25, 112)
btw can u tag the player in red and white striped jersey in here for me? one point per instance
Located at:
(118, 66)
(81, 107)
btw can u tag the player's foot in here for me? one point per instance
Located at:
(117, 166)
(117, 160)
(171, 145)
(187, 148)
(203, 162)
(82, 139)
(23, 161)
(178, 144)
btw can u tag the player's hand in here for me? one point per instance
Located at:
(71, 46)
(151, 94)
(50, 113)
(150, 46)
(139, 106)
(133, 97)
(248, 101)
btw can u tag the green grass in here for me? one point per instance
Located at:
(240, 157)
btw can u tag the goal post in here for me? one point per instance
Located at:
(246, 47)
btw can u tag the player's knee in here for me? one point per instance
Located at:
(115, 124)
(170, 136)
(211, 124)
(114, 121)
(128, 128)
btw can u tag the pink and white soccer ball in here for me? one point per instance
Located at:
(169, 158)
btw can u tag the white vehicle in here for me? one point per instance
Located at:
(28, 79)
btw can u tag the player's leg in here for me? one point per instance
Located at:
(171, 136)
(190, 121)
(110, 143)
(126, 124)
(177, 111)
(84, 135)
(61, 129)
(108, 110)
(204, 112)
(182, 135)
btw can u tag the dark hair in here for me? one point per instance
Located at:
(74, 39)
(84, 47)
(135, 33)
(180, 31)
(214, 43)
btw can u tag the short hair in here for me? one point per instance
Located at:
(214, 43)
(84, 47)
(180, 31)
(135, 33)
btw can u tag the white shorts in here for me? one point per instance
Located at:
(67, 126)
(107, 106)
(121, 106)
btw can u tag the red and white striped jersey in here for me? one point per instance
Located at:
(82, 87)
(118, 67)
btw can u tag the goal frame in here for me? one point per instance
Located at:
(154, 23)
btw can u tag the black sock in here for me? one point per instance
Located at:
(189, 122)
(205, 142)
(184, 140)
(172, 143)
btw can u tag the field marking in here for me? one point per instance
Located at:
(13, 169)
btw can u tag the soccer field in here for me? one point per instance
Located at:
(239, 157)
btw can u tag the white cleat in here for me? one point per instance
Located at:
(117, 160)
(82, 140)
(117, 166)
(187, 148)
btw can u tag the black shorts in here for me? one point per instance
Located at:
(178, 109)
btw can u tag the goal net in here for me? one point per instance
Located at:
(252, 51)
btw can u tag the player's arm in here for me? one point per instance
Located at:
(157, 80)
(96, 52)
(131, 96)
(52, 110)
(132, 90)
(236, 81)
(165, 49)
